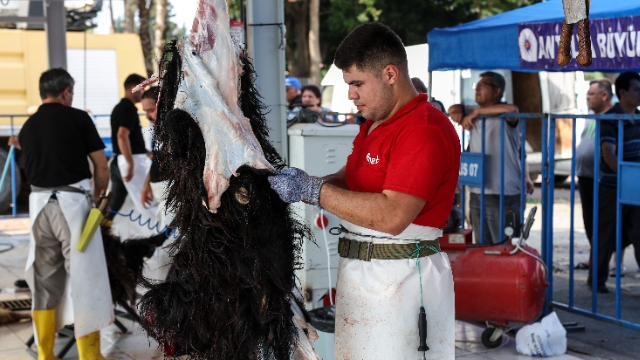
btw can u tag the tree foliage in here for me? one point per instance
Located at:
(486, 8)
(410, 19)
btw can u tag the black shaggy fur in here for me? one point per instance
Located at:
(228, 296)
(125, 262)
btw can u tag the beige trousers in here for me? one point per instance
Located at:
(51, 265)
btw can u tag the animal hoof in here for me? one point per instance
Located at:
(584, 40)
(564, 47)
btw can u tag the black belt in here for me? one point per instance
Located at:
(364, 250)
(55, 189)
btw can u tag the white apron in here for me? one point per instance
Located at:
(86, 301)
(159, 264)
(378, 302)
(134, 186)
(130, 226)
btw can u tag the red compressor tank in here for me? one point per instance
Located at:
(495, 283)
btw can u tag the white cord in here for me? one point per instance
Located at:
(518, 247)
(326, 245)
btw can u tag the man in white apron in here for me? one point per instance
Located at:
(394, 196)
(153, 193)
(68, 286)
(130, 164)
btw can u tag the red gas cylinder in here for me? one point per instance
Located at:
(491, 284)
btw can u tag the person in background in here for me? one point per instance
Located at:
(489, 92)
(57, 143)
(421, 88)
(153, 192)
(312, 100)
(294, 100)
(628, 91)
(292, 85)
(149, 196)
(598, 101)
(129, 165)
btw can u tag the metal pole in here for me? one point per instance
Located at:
(501, 222)
(523, 163)
(56, 29)
(482, 194)
(545, 202)
(14, 200)
(619, 215)
(266, 45)
(573, 205)
(595, 238)
(463, 188)
(550, 193)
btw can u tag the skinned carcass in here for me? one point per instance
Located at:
(231, 293)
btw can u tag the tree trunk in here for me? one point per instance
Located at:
(144, 13)
(112, 27)
(314, 41)
(130, 7)
(298, 42)
(527, 96)
(160, 28)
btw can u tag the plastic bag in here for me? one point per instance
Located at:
(545, 338)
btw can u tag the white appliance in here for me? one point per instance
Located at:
(319, 150)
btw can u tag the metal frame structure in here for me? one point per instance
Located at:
(55, 21)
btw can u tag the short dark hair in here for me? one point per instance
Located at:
(419, 85)
(623, 81)
(371, 47)
(53, 82)
(497, 80)
(151, 93)
(314, 89)
(133, 80)
(604, 85)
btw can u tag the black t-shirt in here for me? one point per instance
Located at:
(55, 143)
(125, 114)
(296, 101)
(631, 143)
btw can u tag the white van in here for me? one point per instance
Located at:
(446, 84)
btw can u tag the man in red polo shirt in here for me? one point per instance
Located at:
(394, 197)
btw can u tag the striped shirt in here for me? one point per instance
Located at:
(631, 143)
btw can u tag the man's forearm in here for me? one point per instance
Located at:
(497, 109)
(611, 160)
(338, 179)
(376, 211)
(125, 148)
(100, 181)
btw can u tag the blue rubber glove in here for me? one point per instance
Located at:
(293, 185)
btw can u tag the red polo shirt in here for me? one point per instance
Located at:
(416, 152)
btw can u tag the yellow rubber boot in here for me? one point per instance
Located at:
(45, 321)
(89, 347)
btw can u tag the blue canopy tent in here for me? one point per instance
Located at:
(495, 42)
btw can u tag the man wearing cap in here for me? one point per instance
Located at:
(293, 92)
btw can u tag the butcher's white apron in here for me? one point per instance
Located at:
(163, 218)
(160, 263)
(378, 301)
(134, 186)
(134, 221)
(86, 301)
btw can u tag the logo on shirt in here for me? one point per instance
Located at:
(371, 160)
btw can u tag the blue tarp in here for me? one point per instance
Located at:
(492, 43)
